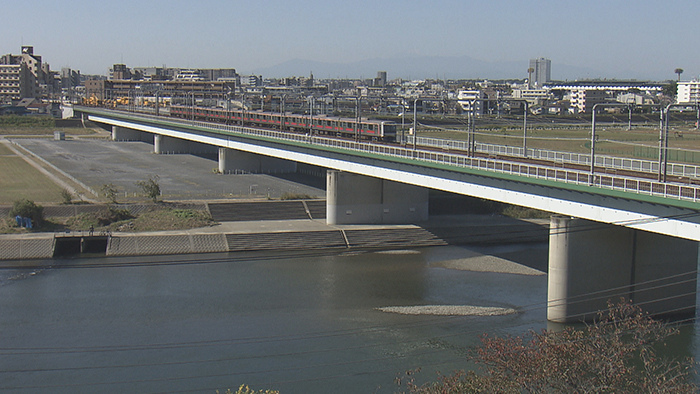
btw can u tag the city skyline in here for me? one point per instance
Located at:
(462, 39)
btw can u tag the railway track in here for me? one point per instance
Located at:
(581, 168)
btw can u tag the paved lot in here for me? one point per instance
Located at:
(99, 162)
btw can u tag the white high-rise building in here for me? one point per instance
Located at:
(688, 92)
(541, 72)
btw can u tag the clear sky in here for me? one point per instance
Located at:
(641, 39)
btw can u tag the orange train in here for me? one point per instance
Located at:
(375, 130)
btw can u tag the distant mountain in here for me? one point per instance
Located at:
(420, 67)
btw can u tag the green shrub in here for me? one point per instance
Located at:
(184, 213)
(27, 208)
(27, 121)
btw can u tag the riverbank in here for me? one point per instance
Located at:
(299, 234)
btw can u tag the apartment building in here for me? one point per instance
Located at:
(583, 100)
(16, 82)
(688, 92)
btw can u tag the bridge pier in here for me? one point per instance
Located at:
(236, 160)
(358, 199)
(591, 263)
(162, 144)
(125, 134)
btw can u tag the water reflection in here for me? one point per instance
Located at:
(302, 322)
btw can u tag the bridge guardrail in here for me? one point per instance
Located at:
(601, 180)
(620, 163)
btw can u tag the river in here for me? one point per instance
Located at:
(296, 322)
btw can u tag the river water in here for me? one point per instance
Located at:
(298, 323)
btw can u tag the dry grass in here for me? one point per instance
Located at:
(20, 180)
(44, 131)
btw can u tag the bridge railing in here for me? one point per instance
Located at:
(601, 180)
(620, 163)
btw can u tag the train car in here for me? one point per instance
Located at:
(318, 124)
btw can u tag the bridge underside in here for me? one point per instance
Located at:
(353, 199)
(644, 250)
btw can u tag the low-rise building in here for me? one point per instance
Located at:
(532, 96)
(471, 101)
(583, 100)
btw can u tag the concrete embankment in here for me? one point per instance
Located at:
(250, 227)
(225, 237)
(260, 235)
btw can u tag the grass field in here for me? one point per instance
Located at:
(44, 131)
(18, 180)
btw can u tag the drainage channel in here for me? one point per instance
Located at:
(74, 246)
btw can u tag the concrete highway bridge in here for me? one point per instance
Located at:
(609, 234)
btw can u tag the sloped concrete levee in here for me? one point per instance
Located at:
(267, 210)
(154, 244)
(286, 241)
(392, 237)
(26, 248)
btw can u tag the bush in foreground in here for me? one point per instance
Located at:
(615, 354)
(244, 389)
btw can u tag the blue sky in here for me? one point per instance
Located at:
(634, 39)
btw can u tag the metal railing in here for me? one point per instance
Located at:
(584, 159)
(457, 160)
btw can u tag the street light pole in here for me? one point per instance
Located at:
(593, 135)
(525, 129)
(403, 117)
(663, 141)
(591, 180)
(415, 130)
(282, 112)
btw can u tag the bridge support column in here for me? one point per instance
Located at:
(231, 160)
(591, 263)
(358, 199)
(162, 144)
(125, 134)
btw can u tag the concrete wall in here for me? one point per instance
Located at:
(26, 248)
(231, 160)
(357, 199)
(591, 263)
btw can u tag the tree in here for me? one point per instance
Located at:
(679, 71)
(110, 191)
(150, 188)
(670, 89)
(614, 354)
(67, 196)
(27, 208)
